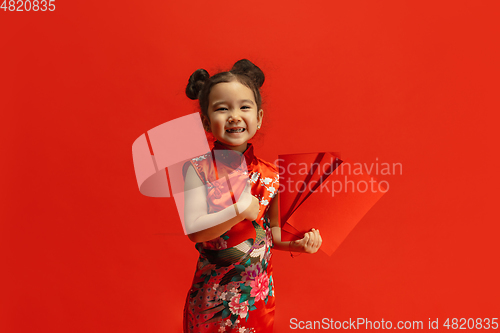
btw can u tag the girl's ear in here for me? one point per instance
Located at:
(260, 115)
(206, 123)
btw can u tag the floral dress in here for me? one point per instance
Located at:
(233, 286)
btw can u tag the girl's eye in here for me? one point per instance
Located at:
(245, 107)
(221, 109)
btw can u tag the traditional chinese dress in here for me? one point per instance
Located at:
(233, 287)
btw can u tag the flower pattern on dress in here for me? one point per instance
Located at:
(200, 158)
(250, 273)
(267, 180)
(260, 287)
(254, 177)
(233, 288)
(238, 308)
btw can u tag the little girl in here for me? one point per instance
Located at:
(233, 286)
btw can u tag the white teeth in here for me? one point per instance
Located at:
(239, 130)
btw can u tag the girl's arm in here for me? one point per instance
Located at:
(309, 244)
(200, 225)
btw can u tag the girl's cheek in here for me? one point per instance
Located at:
(218, 128)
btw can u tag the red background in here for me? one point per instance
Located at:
(413, 83)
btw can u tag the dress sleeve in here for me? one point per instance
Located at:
(199, 165)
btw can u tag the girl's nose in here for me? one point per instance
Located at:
(234, 118)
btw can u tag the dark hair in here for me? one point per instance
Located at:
(244, 71)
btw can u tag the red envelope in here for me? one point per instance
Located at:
(317, 190)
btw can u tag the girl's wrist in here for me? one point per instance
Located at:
(294, 247)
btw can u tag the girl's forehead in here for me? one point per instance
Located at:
(230, 91)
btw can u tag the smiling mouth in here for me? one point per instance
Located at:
(235, 130)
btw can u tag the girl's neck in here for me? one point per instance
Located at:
(241, 148)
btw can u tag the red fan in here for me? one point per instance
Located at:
(316, 191)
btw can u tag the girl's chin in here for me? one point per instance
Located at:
(233, 144)
(234, 139)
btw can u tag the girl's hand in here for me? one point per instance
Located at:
(252, 212)
(310, 243)
(249, 204)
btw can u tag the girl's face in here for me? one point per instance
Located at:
(233, 117)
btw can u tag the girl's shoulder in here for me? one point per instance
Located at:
(268, 167)
(203, 165)
(200, 164)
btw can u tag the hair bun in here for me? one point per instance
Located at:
(247, 68)
(196, 82)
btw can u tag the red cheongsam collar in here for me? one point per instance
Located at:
(230, 157)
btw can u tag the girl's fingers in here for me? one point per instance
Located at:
(307, 241)
(317, 242)
(318, 238)
(312, 241)
(314, 238)
(306, 238)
